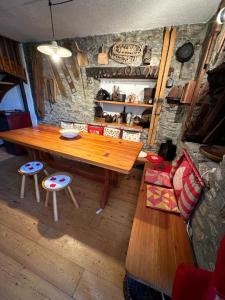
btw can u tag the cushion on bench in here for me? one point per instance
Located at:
(189, 196)
(161, 198)
(81, 127)
(95, 129)
(158, 178)
(112, 132)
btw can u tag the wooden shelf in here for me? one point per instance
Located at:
(124, 103)
(114, 124)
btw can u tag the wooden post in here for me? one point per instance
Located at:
(167, 54)
(159, 81)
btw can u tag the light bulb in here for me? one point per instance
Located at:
(55, 57)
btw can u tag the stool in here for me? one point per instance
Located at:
(57, 182)
(31, 168)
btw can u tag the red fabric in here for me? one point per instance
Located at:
(189, 195)
(193, 284)
(180, 176)
(175, 165)
(196, 284)
(219, 274)
(157, 178)
(95, 129)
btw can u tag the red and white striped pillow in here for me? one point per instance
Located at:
(189, 196)
(175, 165)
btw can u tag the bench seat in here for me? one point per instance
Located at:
(158, 244)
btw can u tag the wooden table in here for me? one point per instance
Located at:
(111, 154)
(158, 244)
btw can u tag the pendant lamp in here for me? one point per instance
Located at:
(53, 49)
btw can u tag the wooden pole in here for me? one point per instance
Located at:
(159, 81)
(160, 96)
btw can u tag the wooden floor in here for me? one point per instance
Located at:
(81, 257)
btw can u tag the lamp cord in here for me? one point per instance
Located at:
(50, 7)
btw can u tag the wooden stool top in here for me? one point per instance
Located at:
(31, 168)
(57, 181)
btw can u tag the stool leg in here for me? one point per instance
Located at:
(22, 189)
(46, 199)
(72, 197)
(36, 188)
(46, 172)
(55, 211)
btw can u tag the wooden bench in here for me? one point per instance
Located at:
(158, 244)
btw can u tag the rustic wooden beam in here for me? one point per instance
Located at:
(159, 81)
(161, 93)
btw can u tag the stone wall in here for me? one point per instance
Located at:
(173, 116)
(208, 219)
(76, 107)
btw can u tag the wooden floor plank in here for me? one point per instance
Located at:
(90, 258)
(45, 263)
(91, 287)
(94, 243)
(18, 283)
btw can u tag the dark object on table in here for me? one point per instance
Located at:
(214, 152)
(98, 111)
(102, 95)
(167, 150)
(147, 55)
(14, 120)
(134, 290)
(175, 93)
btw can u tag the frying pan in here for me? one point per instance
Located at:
(184, 54)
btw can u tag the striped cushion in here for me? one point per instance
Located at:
(175, 165)
(189, 196)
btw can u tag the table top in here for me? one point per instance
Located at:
(158, 244)
(106, 152)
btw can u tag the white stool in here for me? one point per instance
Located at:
(31, 168)
(57, 182)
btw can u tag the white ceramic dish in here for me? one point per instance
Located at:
(69, 133)
(142, 154)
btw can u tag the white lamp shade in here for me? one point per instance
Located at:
(54, 49)
(220, 19)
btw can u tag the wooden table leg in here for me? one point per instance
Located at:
(106, 191)
(114, 178)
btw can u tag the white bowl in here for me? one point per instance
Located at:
(69, 133)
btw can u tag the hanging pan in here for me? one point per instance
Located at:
(184, 54)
